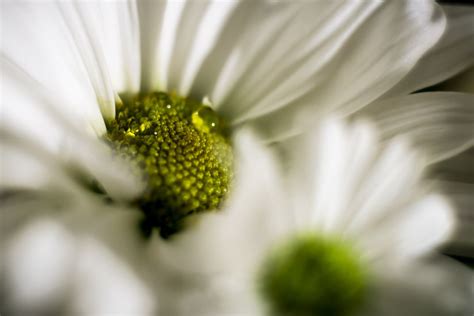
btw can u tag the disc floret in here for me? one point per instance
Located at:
(180, 148)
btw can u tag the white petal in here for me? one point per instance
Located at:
(245, 40)
(33, 113)
(461, 195)
(113, 31)
(424, 226)
(39, 261)
(453, 54)
(368, 64)
(433, 288)
(328, 168)
(28, 107)
(150, 16)
(439, 124)
(192, 47)
(103, 284)
(82, 32)
(36, 47)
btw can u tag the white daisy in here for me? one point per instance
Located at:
(356, 238)
(70, 67)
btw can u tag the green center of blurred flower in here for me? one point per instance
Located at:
(181, 149)
(316, 276)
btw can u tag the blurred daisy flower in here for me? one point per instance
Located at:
(352, 232)
(168, 87)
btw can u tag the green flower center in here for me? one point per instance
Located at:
(181, 149)
(316, 276)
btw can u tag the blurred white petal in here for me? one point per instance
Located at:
(38, 263)
(431, 287)
(103, 284)
(440, 124)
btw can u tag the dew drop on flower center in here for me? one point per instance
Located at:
(181, 149)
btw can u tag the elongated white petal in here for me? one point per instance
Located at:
(439, 124)
(37, 117)
(150, 16)
(327, 171)
(364, 68)
(112, 31)
(390, 183)
(92, 55)
(453, 54)
(36, 42)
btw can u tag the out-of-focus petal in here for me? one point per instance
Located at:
(462, 197)
(32, 114)
(433, 287)
(36, 267)
(440, 124)
(415, 230)
(453, 54)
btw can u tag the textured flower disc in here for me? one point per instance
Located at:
(181, 149)
(314, 276)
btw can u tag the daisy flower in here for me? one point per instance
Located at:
(352, 232)
(123, 70)
(135, 107)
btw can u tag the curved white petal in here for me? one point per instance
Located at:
(418, 229)
(327, 169)
(112, 31)
(33, 115)
(453, 54)
(440, 124)
(461, 195)
(28, 55)
(368, 64)
(433, 287)
(38, 38)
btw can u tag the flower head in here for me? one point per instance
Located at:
(355, 227)
(107, 104)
